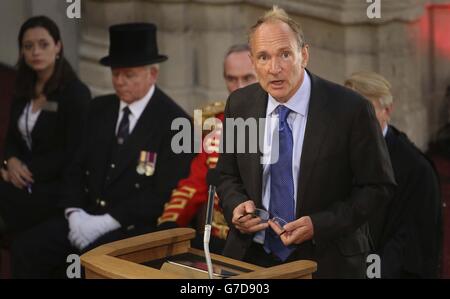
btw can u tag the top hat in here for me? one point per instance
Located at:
(131, 45)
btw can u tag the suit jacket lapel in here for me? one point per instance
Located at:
(256, 168)
(16, 113)
(138, 139)
(43, 118)
(106, 138)
(316, 129)
(37, 129)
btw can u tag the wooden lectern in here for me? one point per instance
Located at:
(167, 255)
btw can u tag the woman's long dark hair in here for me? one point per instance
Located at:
(26, 76)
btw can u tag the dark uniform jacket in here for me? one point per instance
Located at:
(104, 177)
(407, 232)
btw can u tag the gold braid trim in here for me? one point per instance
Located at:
(184, 191)
(168, 217)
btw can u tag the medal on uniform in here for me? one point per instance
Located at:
(150, 163)
(141, 169)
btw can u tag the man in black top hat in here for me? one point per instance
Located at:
(125, 168)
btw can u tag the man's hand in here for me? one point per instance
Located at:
(244, 221)
(295, 232)
(86, 228)
(19, 174)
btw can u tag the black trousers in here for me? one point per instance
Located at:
(258, 256)
(331, 263)
(42, 251)
(20, 210)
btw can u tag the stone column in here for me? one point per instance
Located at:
(194, 34)
(69, 28)
(13, 14)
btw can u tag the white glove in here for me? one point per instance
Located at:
(86, 228)
(76, 219)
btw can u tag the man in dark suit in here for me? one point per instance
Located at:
(125, 169)
(407, 232)
(331, 172)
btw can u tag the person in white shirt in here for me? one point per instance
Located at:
(44, 131)
(125, 169)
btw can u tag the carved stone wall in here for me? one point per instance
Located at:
(403, 45)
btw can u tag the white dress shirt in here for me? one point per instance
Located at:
(385, 129)
(296, 120)
(32, 119)
(136, 109)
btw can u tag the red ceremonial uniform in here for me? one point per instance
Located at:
(191, 194)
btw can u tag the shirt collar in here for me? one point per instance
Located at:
(385, 130)
(137, 107)
(298, 102)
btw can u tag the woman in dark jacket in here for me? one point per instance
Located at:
(45, 127)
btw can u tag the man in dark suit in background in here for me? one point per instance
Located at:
(332, 169)
(125, 169)
(407, 232)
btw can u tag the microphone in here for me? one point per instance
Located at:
(212, 178)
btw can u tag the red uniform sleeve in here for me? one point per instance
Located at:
(192, 192)
(189, 195)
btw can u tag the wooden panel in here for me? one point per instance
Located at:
(156, 253)
(227, 260)
(151, 240)
(112, 267)
(184, 271)
(297, 269)
(142, 242)
(93, 275)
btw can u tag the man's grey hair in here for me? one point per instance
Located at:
(279, 14)
(156, 66)
(237, 48)
(372, 86)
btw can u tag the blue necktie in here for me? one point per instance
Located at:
(124, 126)
(281, 186)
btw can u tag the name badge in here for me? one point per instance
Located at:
(50, 106)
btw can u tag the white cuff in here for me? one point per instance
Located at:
(70, 210)
(110, 223)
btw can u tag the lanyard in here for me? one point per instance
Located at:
(27, 129)
(28, 133)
